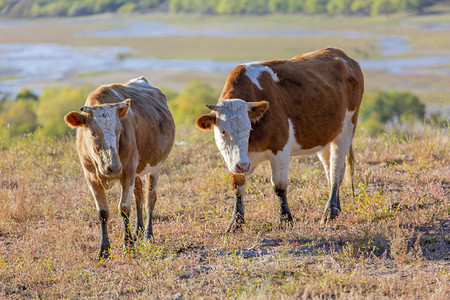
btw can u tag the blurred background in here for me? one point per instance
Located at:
(54, 52)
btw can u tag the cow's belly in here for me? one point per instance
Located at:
(149, 169)
(292, 148)
(298, 150)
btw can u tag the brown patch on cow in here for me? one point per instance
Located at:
(257, 111)
(237, 180)
(314, 91)
(205, 122)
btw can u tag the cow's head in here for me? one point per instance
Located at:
(102, 128)
(231, 120)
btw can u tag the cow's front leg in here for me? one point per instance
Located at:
(280, 172)
(237, 219)
(285, 213)
(152, 182)
(127, 183)
(103, 213)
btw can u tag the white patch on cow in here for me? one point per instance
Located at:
(241, 191)
(150, 169)
(125, 200)
(137, 81)
(280, 161)
(253, 71)
(343, 60)
(256, 158)
(106, 118)
(97, 206)
(232, 118)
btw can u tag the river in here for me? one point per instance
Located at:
(25, 63)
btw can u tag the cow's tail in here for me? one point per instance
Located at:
(350, 168)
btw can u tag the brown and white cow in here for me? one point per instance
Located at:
(124, 131)
(276, 109)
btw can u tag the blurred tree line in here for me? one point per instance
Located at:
(29, 113)
(63, 8)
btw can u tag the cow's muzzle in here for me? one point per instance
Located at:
(242, 168)
(112, 170)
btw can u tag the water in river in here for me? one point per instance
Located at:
(24, 63)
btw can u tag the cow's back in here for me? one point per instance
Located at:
(314, 91)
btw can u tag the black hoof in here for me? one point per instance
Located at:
(128, 243)
(237, 220)
(330, 214)
(103, 253)
(139, 233)
(286, 221)
(235, 225)
(149, 236)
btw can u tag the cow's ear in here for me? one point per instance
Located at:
(205, 122)
(256, 110)
(123, 107)
(75, 119)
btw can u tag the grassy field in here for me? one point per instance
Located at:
(390, 242)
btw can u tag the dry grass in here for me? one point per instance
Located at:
(391, 241)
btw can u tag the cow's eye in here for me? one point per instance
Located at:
(223, 132)
(93, 134)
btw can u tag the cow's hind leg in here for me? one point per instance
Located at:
(127, 183)
(139, 197)
(280, 172)
(237, 219)
(152, 182)
(324, 157)
(338, 151)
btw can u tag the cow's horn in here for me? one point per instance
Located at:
(211, 107)
(86, 109)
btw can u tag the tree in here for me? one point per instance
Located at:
(277, 6)
(54, 103)
(26, 94)
(361, 6)
(392, 107)
(190, 103)
(20, 118)
(339, 6)
(315, 6)
(230, 7)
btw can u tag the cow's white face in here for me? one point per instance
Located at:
(232, 120)
(102, 129)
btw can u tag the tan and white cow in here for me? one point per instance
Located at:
(124, 131)
(276, 109)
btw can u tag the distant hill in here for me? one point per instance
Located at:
(72, 8)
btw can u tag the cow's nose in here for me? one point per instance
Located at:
(114, 169)
(242, 167)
